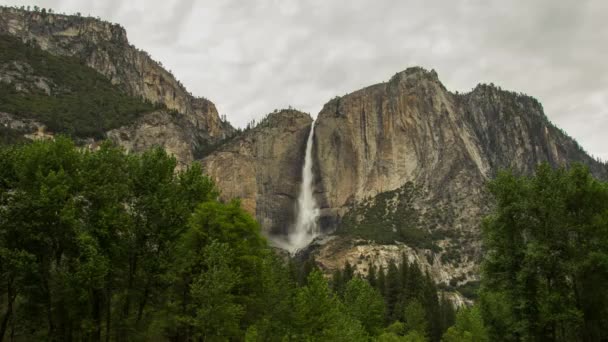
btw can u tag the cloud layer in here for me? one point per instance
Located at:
(251, 57)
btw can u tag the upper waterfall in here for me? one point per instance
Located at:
(305, 228)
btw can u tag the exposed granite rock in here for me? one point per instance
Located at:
(21, 129)
(104, 47)
(263, 168)
(24, 126)
(411, 129)
(361, 254)
(160, 128)
(21, 76)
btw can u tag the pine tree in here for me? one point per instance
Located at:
(432, 308)
(393, 291)
(337, 281)
(447, 314)
(371, 275)
(348, 273)
(403, 279)
(319, 315)
(415, 318)
(404, 271)
(381, 286)
(414, 283)
(364, 303)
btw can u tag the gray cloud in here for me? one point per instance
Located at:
(251, 57)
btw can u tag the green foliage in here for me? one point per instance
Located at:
(469, 290)
(447, 314)
(546, 266)
(121, 247)
(414, 336)
(82, 103)
(393, 291)
(341, 277)
(388, 217)
(365, 304)
(9, 136)
(397, 332)
(88, 240)
(469, 327)
(320, 316)
(415, 318)
(217, 314)
(411, 302)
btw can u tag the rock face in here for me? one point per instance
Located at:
(160, 128)
(26, 128)
(412, 130)
(400, 167)
(104, 47)
(263, 168)
(22, 77)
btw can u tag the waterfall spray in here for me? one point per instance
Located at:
(305, 228)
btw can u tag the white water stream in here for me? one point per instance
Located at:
(306, 227)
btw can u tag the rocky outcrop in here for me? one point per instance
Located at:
(21, 76)
(161, 128)
(22, 128)
(104, 47)
(335, 252)
(263, 168)
(413, 130)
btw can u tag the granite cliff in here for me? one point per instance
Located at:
(404, 163)
(104, 47)
(262, 166)
(400, 167)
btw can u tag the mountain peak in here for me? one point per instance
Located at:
(418, 72)
(415, 75)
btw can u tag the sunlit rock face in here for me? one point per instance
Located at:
(263, 167)
(104, 47)
(412, 130)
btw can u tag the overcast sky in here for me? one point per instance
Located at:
(252, 56)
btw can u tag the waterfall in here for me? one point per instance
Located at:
(305, 228)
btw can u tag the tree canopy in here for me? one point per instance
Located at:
(545, 273)
(104, 245)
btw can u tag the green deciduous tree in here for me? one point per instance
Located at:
(217, 313)
(469, 327)
(546, 269)
(105, 245)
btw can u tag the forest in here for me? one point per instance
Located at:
(108, 246)
(62, 92)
